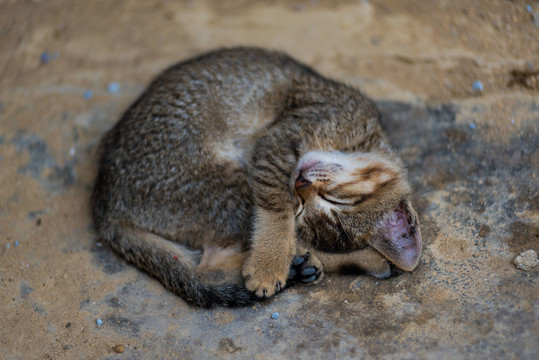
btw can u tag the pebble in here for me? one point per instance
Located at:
(478, 86)
(119, 348)
(275, 316)
(45, 58)
(527, 260)
(113, 88)
(99, 322)
(88, 94)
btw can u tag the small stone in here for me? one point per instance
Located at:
(478, 86)
(119, 348)
(68, 325)
(527, 260)
(113, 87)
(88, 94)
(99, 322)
(45, 58)
(275, 316)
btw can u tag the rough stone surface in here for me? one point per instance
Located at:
(473, 159)
(527, 260)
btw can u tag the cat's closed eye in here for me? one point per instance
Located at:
(334, 200)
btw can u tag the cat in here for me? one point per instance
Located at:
(262, 164)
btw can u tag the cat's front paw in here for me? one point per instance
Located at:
(265, 279)
(306, 268)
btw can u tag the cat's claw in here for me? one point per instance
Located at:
(305, 268)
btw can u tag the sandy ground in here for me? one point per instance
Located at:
(69, 68)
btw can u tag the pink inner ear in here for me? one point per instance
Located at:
(400, 241)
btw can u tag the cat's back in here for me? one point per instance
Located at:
(227, 93)
(193, 126)
(227, 80)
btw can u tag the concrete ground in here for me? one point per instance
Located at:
(69, 68)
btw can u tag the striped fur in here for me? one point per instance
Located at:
(251, 150)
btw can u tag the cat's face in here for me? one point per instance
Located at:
(346, 202)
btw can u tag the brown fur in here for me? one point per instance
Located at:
(210, 157)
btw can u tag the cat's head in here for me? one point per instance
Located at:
(347, 202)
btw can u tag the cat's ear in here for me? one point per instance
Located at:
(399, 237)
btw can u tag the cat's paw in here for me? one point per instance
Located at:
(264, 280)
(306, 268)
(380, 270)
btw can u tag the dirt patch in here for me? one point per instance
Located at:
(456, 83)
(522, 236)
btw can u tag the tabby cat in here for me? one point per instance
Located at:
(263, 165)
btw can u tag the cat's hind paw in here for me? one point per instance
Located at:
(305, 268)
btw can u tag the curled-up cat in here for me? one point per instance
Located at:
(260, 163)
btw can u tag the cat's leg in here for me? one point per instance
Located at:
(222, 265)
(273, 247)
(218, 257)
(273, 237)
(368, 261)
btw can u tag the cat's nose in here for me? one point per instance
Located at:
(301, 182)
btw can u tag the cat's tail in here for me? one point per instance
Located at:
(174, 266)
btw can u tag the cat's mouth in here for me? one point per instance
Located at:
(300, 208)
(300, 203)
